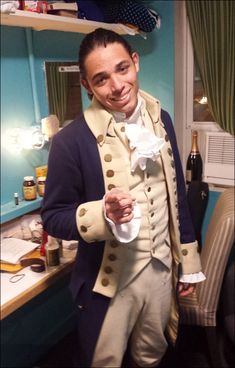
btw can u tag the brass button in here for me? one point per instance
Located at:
(108, 269)
(82, 212)
(166, 138)
(184, 252)
(112, 257)
(105, 282)
(152, 214)
(83, 229)
(110, 173)
(113, 244)
(100, 138)
(123, 129)
(169, 150)
(107, 158)
(149, 189)
(111, 186)
(172, 164)
(151, 201)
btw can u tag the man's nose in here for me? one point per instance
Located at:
(116, 83)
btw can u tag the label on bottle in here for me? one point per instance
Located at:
(188, 176)
(41, 189)
(30, 193)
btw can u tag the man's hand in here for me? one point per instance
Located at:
(185, 289)
(119, 206)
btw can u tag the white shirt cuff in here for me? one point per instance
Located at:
(192, 278)
(127, 232)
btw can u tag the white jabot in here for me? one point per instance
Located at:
(144, 145)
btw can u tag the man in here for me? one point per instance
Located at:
(115, 183)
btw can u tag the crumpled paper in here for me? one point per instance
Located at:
(8, 6)
(144, 145)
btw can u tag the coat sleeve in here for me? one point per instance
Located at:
(187, 234)
(69, 212)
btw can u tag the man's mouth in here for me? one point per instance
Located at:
(120, 98)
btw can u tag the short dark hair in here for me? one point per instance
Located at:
(99, 37)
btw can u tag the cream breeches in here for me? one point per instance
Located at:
(140, 312)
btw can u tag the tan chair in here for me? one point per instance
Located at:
(201, 307)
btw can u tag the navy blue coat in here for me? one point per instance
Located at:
(74, 177)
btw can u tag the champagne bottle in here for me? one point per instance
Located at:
(194, 161)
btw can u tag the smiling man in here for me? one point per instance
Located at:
(115, 183)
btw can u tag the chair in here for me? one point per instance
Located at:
(201, 307)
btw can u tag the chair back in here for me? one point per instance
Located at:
(214, 256)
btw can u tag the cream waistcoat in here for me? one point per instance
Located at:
(149, 189)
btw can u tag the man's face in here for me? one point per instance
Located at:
(111, 75)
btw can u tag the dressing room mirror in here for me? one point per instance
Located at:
(63, 90)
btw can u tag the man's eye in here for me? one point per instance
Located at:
(100, 81)
(124, 69)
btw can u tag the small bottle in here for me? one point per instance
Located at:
(29, 188)
(194, 161)
(16, 198)
(41, 185)
(43, 243)
(21, 4)
(52, 252)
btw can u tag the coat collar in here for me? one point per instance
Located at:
(100, 121)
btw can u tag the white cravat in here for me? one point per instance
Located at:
(144, 144)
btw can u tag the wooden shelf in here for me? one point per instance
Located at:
(43, 22)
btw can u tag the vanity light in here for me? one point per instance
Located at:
(17, 139)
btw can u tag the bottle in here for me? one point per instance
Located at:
(29, 188)
(194, 161)
(16, 198)
(43, 243)
(41, 185)
(52, 252)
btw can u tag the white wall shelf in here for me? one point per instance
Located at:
(43, 22)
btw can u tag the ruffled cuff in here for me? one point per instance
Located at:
(192, 278)
(127, 232)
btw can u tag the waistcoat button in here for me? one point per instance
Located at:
(110, 173)
(108, 269)
(108, 158)
(111, 186)
(112, 257)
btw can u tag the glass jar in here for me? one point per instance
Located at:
(41, 185)
(29, 188)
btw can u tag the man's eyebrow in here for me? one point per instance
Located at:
(98, 75)
(104, 73)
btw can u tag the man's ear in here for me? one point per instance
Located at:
(86, 85)
(135, 58)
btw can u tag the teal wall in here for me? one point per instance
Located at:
(17, 109)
